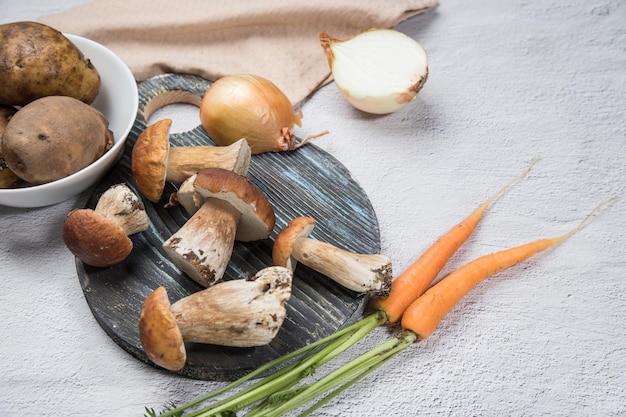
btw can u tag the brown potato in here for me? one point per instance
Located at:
(8, 178)
(53, 137)
(37, 61)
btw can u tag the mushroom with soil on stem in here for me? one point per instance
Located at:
(226, 207)
(154, 161)
(362, 273)
(99, 237)
(238, 313)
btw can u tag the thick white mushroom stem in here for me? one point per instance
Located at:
(240, 313)
(363, 273)
(154, 162)
(121, 205)
(202, 247)
(184, 161)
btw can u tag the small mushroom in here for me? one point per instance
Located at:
(154, 161)
(238, 313)
(99, 237)
(227, 207)
(362, 273)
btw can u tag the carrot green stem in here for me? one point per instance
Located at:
(349, 373)
(354, 380)
(278, 393)
(278, 398)
(176, 411)
(417, 321)
(274, 400)
(313, 356)
(341, 389)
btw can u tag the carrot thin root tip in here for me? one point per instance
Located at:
(588, 219)
(511, 183)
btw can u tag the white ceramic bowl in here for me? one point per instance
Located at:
(118, 100)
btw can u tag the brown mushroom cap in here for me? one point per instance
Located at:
(283, 244)
(160, 336)
(94, 239)
(149, 159)
(257, 214)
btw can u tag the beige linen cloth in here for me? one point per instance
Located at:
(276, 39)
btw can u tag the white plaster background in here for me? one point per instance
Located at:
(510, 80)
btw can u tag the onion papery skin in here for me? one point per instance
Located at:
(378, 71)
(251, 107)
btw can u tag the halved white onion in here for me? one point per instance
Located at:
(378, 71)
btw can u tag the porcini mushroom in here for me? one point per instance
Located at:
(239, 313)
(362, 273)
(229, 207)
(154, 161)
(99, 237)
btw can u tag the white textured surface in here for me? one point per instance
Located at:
(510, 80)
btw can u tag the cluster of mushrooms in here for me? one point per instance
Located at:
(223, 206)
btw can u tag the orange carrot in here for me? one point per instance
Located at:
(418, 322)
(278, 393)
(418, 276)
(425, 313)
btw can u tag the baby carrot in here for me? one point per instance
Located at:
(425, 313)
(412, 283)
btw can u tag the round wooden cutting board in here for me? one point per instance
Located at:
(307, 181)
